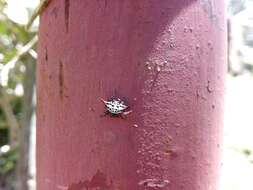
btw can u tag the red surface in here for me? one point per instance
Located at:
(166, 58)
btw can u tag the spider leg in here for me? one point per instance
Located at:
(104, 101)
(105, 113)
(122, 116)
(127, 112)
(115, 93)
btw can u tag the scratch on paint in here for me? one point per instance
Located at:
(61, 80)
(66, 14)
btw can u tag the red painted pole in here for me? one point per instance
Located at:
(166, 58)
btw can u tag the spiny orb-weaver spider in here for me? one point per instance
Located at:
(116, 107)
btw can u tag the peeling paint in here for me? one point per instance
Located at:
(154, 183)
(97, 182)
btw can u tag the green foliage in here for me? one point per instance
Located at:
(16, 105)
(13, 39)
(8, 162)
(3, 135)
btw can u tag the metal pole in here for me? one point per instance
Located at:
(165, 59)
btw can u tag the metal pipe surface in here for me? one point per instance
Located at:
(165, 59)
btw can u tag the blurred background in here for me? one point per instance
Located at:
(17, 96)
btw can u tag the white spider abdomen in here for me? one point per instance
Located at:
(115, 106)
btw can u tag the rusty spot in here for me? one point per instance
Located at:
(97, 182)
(168, 152)
(46, 54)
(66, 14)
(61, 80)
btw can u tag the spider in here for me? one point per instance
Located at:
(116, 107)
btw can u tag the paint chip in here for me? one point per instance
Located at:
(154, 183)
